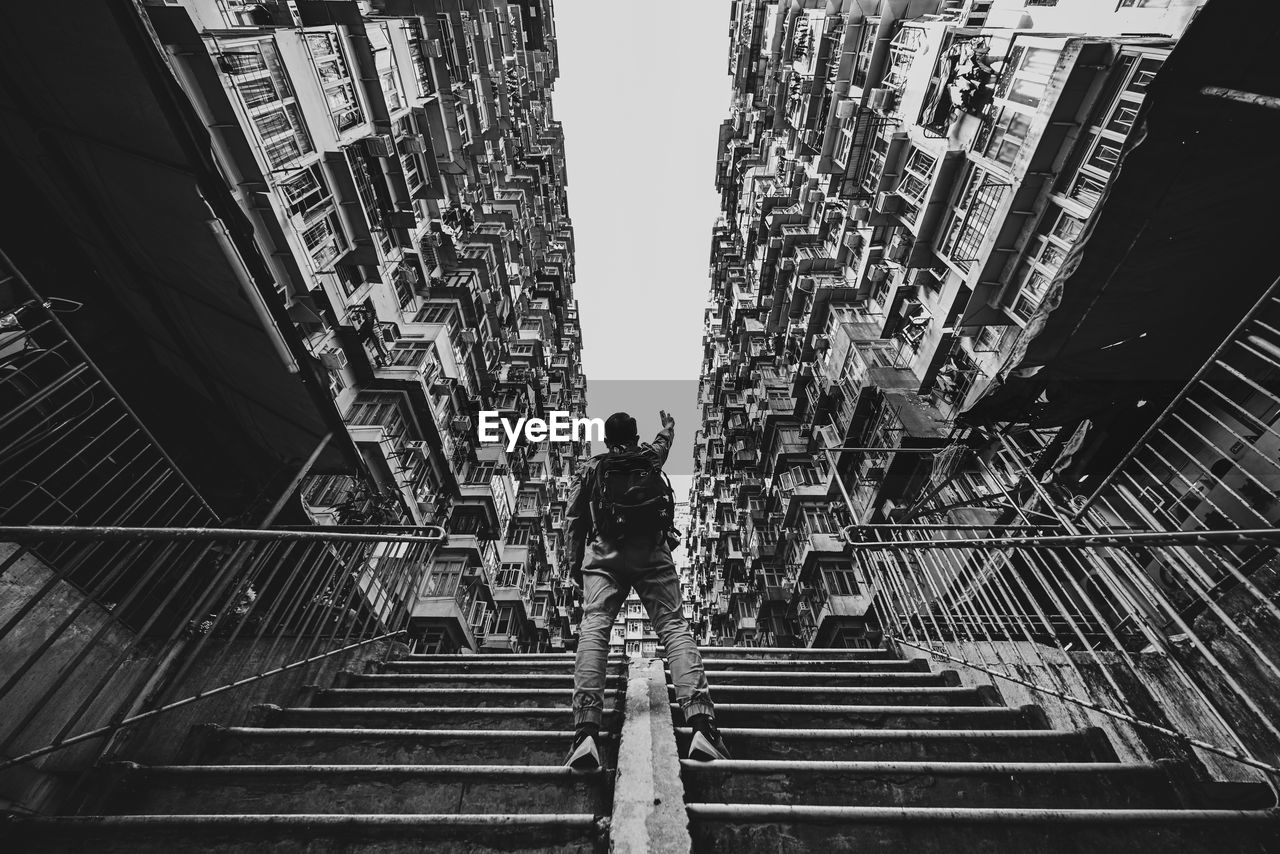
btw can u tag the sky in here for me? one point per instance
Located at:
(643, 88)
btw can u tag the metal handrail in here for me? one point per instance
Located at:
(207, 610)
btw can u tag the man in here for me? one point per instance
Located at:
(611, 567)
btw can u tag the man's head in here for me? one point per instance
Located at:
(620, 430)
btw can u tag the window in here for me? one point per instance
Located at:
(417, 55)
(1087, 189)
(1067, 227)
(415, 354)
(307, 193)
(384, 59)
(902, 53)
(818, 521)
(363, 169)
(839, 579)
(539, 606)
(481, 472)
(1123, 115)
(972, 216)
(917, 172)
(511, 575)
(866, 47)
(323, 240)
(335, 80)
(521, 534)
(444, 577)
(504, 623)
(259, 76)
(1007, 135)
(371, 408)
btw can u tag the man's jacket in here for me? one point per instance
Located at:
(579, 527)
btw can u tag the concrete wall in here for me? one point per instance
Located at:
(42, 784)
(35, 784)
(159, 741)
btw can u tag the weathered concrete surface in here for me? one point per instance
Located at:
(648, 801)
(41, 784)
(157, 742)
(1157, 694)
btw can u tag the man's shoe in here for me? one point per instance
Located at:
(585, 753)
(707, 746)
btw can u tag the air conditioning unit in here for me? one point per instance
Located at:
(334, 359)
(861, 213)
(461, 424)
(898, 252)
(882, 99)
(469, 336)
(419, 446)
(416, 143)
(845, 108)
(390, 333)
(888, 203)
(819, 342)
(380, 145)
(435, 49)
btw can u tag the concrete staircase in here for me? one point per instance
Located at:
(426, 753)
(862, 751)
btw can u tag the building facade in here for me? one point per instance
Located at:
(398, 169)
(901, 185)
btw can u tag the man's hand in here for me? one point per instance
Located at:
(668, 422)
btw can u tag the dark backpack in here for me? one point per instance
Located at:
(632, 497)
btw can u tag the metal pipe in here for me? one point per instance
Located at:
(1251, 536)
(36, 533)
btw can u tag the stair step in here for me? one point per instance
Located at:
(435, 717)
(860, 695)
(806, 716)
(515, 660)
(362, 789)
(561, 681)
(824, 665)
(248, 745)
(806, 678)
(580, 833)
(930, 784)
(789, 653)
(470, 698)
(750, 828)
(939, 745)
(467, 664)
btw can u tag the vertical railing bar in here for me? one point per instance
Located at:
(139, 635)
(69, 667)
(1194, 380)
(16, 446)
(1195, 640)
(51, 317)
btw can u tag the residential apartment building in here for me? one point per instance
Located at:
(901, 185)
(398, 169)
